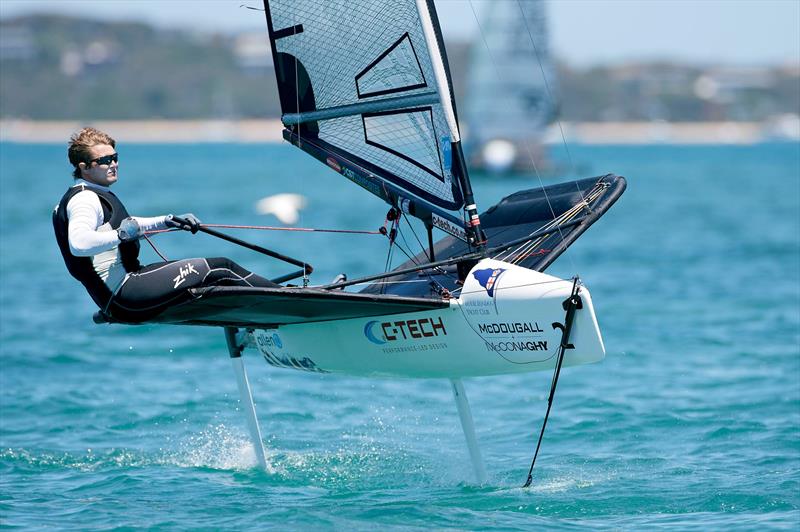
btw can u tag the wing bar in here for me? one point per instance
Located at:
(387, 104)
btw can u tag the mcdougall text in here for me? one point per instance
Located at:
(506, 328)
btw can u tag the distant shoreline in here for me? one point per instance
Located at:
(269, 131)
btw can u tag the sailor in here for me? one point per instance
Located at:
(99, 241)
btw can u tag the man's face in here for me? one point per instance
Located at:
(103, 172)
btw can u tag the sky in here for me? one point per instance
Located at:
(583, 32)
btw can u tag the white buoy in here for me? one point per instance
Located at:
(499, 155)
(285, 207)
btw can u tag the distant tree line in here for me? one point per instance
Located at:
(50, 70)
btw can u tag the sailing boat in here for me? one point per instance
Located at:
(365, 88)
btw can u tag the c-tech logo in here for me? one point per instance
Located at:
(392, 331)
(488, 278)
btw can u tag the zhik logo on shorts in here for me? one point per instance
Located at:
(183, 274)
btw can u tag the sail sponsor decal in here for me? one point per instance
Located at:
(447, 153)
(447, 158)
(361, 181)
(448, 227)
(405, 204)
(272, 348)
(333, 163)
(399, 336)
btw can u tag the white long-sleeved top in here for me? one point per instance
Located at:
(89, 237)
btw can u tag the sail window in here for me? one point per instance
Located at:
(397, 69)
(408, 134)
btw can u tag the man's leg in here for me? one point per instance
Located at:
(225, 272)
(157, 286)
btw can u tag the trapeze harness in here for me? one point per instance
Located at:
(110, 270)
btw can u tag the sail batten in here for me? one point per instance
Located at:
(390, 104)
(366, 81)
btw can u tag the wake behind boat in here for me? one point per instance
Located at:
(365, 88)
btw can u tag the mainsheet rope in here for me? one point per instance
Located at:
(148, 234)
(273, 228)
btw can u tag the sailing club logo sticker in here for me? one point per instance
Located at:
(488, 278)
(392, 331)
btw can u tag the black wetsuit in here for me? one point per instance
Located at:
(139, 292)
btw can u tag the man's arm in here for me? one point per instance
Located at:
(85, 215)
(153, 223)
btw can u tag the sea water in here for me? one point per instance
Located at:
(691, 422)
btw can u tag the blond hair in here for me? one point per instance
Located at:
(81, 142)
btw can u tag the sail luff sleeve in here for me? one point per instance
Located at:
(431, 30)
(439, 71)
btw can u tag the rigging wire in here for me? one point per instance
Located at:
(297, 127)
(424, 251)
(408, 222)
(547, 86)
(297, 229)
(165, 259)
(527, 147)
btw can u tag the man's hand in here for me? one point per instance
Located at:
(187, 222)
(129, 230)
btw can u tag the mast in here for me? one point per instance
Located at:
(432, 31)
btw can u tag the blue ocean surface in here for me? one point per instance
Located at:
(691, 422)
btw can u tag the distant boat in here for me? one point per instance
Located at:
(508, 107)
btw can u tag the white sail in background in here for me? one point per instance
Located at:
(508, 107)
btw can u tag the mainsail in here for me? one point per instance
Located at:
(364, 87)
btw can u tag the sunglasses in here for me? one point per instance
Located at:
(106, 159)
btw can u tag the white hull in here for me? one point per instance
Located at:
(502, 323)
